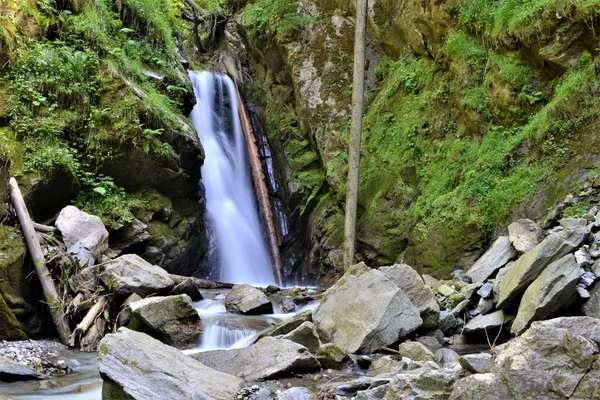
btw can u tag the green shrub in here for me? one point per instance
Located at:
(279, 18)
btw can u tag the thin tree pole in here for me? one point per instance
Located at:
(39, 263)
(358, 99)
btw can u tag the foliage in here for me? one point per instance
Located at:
(279, 18)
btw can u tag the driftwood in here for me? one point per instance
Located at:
(388, 350)
(88, 320)
(262, 193)
(33, 244)
(44, 228)
(201, 283)
(90, 341)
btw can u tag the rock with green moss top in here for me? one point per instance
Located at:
(331, 356)
(172, 319)
(267, 358)
(306, 335)
(142, 367)
(415, 351)
(364, 310)
(14, 286)
(10, 329)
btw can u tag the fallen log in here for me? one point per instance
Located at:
(44, 228)
(33, 244)
(201, 283)
(87, 321)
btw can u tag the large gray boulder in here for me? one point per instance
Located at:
(525, 234)
(171, 319)
(531, 264)
(246, 299)
(84, 235)
(365, 310)
(411, 283)
(306, 335)
(132, 274)
(492, 260)
(134, 365)
(555, 286)
(546, 362)
(267, 358)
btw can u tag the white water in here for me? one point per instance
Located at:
(230, 197)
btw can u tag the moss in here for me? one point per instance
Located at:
(10, 329)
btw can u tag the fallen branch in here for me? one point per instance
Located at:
(33, 244)
(201, 283)
(87, 321)
(388, 350)
(44, 228)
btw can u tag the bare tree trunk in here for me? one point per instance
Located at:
(54, 304)
(87, 321)
(358, 98)
(201, 283)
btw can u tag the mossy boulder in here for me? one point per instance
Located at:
(10, 329)
(14, 288)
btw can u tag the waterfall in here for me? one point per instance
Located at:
(230, 197)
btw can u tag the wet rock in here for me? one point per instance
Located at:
(84, 235)
(297, 393)
(411, 283)
(188, 286)
(282, 303)
(132, 274)
(134, 364)
(500, 253)
(525, 234)
(306, 335)
(385, 365)
(555, 285)
(171, 319)
(331, 356)
(475, 362)
(268, 358)
(446, 357)
(531, 264)
(246, 299)
(490, 321)
(11, 370)
(591, 308)
(415, 351)
(287, 326)
(365, 310)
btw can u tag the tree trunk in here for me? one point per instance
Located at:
(87, 321)
(358, 98)
(261, 192)
(201, 283)
(54, 303)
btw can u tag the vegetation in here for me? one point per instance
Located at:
(279, 18)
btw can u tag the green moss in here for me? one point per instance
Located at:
(279, 18)
(10, 329)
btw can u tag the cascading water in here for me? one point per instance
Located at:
(230, 198)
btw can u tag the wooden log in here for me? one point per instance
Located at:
(262, 192)
(44, 228)
(201, 283)
(33, 244)
(87, 321)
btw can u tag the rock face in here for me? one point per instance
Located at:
(531, 264)
(267, 358)
(411, 283)
(84, 235)
(492, 260)
(136, 365)
(365, 310)
(171, 319)
(132, 274)
(525, 234)
(548, 292)
(246, 299)
(306, 335)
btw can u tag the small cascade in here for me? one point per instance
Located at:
(231, 201)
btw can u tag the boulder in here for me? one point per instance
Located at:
(132, 274)
(331, 356)
(246, 299)
(486, 322)
(365, 310)
(486, 386)
(492, 260)
(531, 264)
(497, 280)
(447, 321)
(486, 291)
(423, 384)
(430, 342)
(296, 393)
(282, 304)
(587, 327)
(267, 358)
(84, 235)
(171, 319)
(415, 351)
(411, 283)
(475, 362)
(385, 365)
(287, 326)
(485, 306)
(525, 234)
(306, 335)
(134, 365)
(11, 370)
(591, 308)
(446, 357)
(188, 287)
(555, 285)
(431, 282)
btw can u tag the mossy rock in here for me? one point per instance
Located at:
(10, 329)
